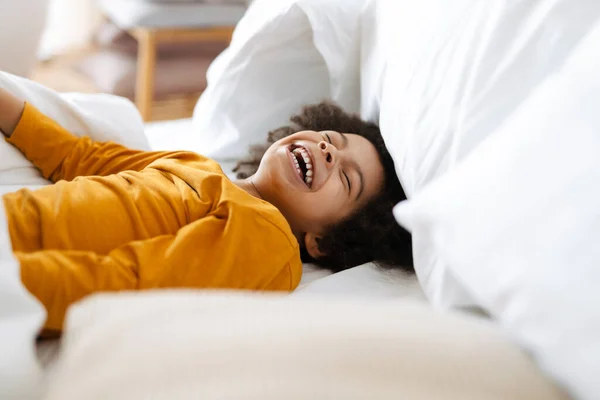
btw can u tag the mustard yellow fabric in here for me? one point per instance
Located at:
(122, 219)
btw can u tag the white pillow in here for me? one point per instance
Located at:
(102, 117)
(373, 57)
(283, 55)
(518, 222)
(455, 72)
(191, 345)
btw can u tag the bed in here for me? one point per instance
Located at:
(301, 340)
(473, 99)
(366, 281)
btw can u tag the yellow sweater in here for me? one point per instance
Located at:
(121, 219)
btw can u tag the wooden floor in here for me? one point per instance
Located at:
(60, 74)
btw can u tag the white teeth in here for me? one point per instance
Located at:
(300, 151)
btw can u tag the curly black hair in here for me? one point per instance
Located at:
(370, 234)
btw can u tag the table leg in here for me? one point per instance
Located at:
(146, 63)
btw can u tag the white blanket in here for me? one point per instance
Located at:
(101, 117)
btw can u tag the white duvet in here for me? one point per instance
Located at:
(102, 117)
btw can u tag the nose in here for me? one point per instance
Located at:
(329, 152)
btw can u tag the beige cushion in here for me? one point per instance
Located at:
(137, 13)
(193, 345)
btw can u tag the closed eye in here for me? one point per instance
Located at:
(328, 138)
(348, 181)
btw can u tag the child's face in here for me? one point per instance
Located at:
(317, 179)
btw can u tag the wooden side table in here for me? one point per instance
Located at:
(148, 39)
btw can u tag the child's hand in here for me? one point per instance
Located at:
(11, 109)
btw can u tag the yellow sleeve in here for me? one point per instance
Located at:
(204, 254)
(60, 155)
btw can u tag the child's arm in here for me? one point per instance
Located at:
(208, 253)
(61, 155)
(11, 109)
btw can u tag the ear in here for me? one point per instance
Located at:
(311, 242)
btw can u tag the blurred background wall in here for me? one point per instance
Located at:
(21, 26)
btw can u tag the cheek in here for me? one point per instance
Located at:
(308, 212)
(324, 206)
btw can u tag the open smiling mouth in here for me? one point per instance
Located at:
(303, 165)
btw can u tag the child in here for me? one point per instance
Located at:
(121, 219)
